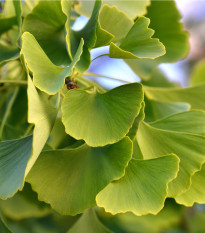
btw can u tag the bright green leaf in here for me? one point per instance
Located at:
(47, 76)
(89, 222)
(165, 20)
(189, 148)
(143, 189)
(42, 113)
(138, 43)
(196, 192)
(101, 119)
(131, 8)
(115, 22)
(60, 178)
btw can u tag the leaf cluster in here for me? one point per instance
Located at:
(70, 146)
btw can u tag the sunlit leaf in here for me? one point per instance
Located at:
(143, 189)
(138, 43)
(188, 147)
(101, 119)
(131, 8)
(42, 113)
(115, 21)
(47, 76)
(196, 192)
(89, 222)
(60, 177)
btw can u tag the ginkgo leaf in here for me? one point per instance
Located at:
(131, 8)
(165, 20)
(101, 119)
(42, 113)
(138, 43)
(89, 222)
(19, 155)
(196, 192)
(192, 95)
(60, 177)
(46, 76)
(24, 204)
(14, 156)
(143, 189)
(156, 110)
(115, 22)
(46, 23)
(198, 73)
(188, 122)
(154, 142)
(88, 33)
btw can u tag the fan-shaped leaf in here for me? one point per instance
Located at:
(138, 43)
(46, 23)
(143, 189)
(101, 119)
(189, 148)
(165, 20)
(115, 22)
(69, 179)
(196, 192)
(47, 76)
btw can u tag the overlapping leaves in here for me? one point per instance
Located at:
(109, 156)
